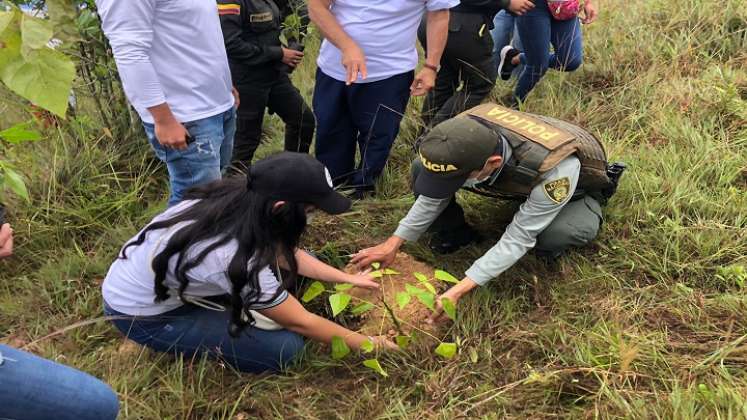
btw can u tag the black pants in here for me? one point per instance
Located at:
(467, 74)
(281, 98)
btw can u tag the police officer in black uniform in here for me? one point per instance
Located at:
(467, 73)
(259, 66)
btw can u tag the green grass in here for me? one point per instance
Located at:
(648, 322)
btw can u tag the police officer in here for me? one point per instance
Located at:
(558, 169)
(467, 73)
(259, 67)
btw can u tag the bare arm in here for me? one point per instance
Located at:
(291, 315)
(309, 266)
(437, 33)
(353, 58)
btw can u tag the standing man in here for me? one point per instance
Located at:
(558, 169)
(468, 71)
(260, 65)
(366, 76)
(174, 70)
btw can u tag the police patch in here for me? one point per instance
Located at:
(260, 17)
(558, 190)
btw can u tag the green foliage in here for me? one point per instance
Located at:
(446, 350)
(444, 276)
(374, 365)
(425, 297)
(403, 298)
(449, 307)
(29, 66)
(367, 346)
(19, 133)
(403, 341)
(362, 308)
(339, 348)
(343, 287)
(390, 272)
(315, 289)
(338, 302)
(9, 178)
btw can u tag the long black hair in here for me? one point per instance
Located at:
(227, 210)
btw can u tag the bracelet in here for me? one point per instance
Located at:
(432, 67)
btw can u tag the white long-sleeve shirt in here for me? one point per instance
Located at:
(169, 51)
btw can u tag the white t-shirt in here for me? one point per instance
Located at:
(386, 30)
(169, 51)
(129, 285)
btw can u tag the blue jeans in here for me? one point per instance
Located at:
(504, 33)
(366, 115)
(192, 331)
(538, 30)
(33, 388)
(207, 155)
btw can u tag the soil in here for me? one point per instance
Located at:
(412, 318)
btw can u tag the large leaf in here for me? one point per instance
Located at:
(44, 77)
(14, 181)
(421, 277)
(339, 301)
(444, 276)
(10, 38)
(315, 289)
(35, 34)
(430, 287)
(376, 366)
(449, 307)
(428, 300)
(403, 298)
(390, 272)
(446, 350)
(19, 133)
(339, 348)
(362, 308)
(343, 287)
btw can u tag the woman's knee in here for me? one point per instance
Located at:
(573, 63)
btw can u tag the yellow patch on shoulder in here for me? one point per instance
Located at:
(558, 190)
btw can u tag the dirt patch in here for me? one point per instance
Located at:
(411, 318)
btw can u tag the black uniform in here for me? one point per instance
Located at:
(251, 29)
(467, 73)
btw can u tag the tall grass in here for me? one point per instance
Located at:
(649, 322)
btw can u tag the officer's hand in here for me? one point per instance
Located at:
(171, 133)
(354, 62)
(590, 13)
(291, 57)
(453, 294)
(519, 7)
(423, 83)
(384, 253)
(6, 241)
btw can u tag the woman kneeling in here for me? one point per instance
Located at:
(211, 275)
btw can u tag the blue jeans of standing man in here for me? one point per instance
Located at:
(364, 116)
(193, 331)
(32, 388)
(208, 152)
(538, 30)
(504, 33)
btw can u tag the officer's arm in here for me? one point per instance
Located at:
(533, 217)
(232, 16)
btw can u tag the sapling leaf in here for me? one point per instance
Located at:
(402, 341)
(315, 289)
(428, 300)
(449, 307)
(375, 366)
(14, 181)
(361, 308)
(343, 287)
(446, 350)
(339, 301)
(420, 276)
(367, 346)
(403, 298)
(376, 274)
(429, 287)
(444, 276)
(390, 272)
(376, 265)
(339, 348)
(19, 133)
(413, 290)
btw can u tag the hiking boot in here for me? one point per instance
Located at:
(447, 242)
(505, 67)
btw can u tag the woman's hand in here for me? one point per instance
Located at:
(383, 342)
(590, 13)
(362, 279)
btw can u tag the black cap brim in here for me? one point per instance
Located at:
(436, 186)
(334, 203)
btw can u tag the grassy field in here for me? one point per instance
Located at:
(649, 322)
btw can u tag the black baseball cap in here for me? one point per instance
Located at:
(451, 151)
(296, 177)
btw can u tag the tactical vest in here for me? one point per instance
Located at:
(539, 144)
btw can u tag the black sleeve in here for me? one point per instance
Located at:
(232, 15)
